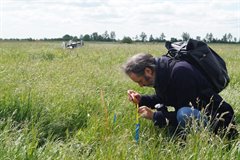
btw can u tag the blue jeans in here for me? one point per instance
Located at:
(186, 114)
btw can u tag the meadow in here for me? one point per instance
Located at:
(60, 104)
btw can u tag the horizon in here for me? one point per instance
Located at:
(39, 19)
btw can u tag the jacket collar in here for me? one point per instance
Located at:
(162, 76)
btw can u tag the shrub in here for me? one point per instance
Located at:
(127, 40)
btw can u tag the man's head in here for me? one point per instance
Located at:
(141, 69)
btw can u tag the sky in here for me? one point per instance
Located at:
(54, 18)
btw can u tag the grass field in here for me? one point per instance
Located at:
(51, 106)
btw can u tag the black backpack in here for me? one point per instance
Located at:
(199, 54)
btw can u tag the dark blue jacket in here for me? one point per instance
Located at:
(180, 84)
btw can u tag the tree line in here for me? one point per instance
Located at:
(142, 37)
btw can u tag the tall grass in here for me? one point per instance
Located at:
(50, 105)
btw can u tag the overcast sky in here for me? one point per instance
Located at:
(55, 18)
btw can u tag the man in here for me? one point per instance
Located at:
(182, 86)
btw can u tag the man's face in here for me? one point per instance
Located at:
(145, 80)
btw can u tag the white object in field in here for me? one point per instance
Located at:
(72, 44)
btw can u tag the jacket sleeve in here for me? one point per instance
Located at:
(163, 118)
(159, 119)
(149, 101)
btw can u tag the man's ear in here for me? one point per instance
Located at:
(148, 71)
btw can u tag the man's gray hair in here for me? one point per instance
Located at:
(138, 63)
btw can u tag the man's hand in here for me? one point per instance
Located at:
(145, 112)
(134, 96)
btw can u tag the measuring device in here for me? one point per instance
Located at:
(137, 120)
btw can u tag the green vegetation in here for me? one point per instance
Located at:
(51, 107)
(127, 40)
(143, 37)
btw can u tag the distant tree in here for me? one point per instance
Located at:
(215, 40)
(94, 36)
(100, 38)
(229, 37)
(86, 37)
(30, 39)
(136, 38)
(162, 37)
(209, 37)
(112, 35)
(151, 39)
(173, 39)
(198, 38)
(185, 36)
(67, 37)
(143, 36)
(235, 39)
(224, 39)
(75, 38)
(126, 40)
(106, 36)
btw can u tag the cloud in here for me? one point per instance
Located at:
(42, 18)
